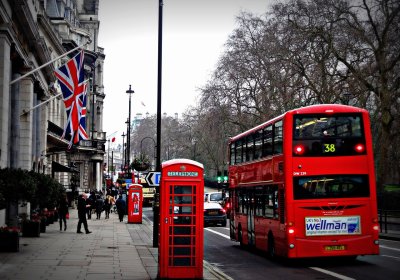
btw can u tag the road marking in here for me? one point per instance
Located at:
(216, 232)
(216, 271)
(397, 258)
(337, 275)
(390, 248)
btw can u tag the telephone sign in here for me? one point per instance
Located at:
(153, 178)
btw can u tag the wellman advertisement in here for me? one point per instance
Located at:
(346, 225)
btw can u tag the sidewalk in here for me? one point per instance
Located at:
(113, 250)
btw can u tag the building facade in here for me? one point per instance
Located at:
(34, 33)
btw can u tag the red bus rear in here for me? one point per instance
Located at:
(303, 184)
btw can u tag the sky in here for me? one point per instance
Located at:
(194, 33)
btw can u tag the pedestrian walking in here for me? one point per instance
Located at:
(63, 211)
(82, 208)
(99, 206)
(108, 202)
(121, 208)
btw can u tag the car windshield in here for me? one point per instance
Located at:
(215, 196)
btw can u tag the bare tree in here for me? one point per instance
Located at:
(363, 37)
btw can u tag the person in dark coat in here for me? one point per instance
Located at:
(99, 206)
(63, 211)
(121, 208)
(91, 201)
(82, 208)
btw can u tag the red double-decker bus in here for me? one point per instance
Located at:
(303, 184)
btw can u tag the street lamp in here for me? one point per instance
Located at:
(156, 217)
(128, 136)
(123, 151)
(108, 159)
(126, 145)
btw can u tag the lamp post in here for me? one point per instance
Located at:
(156, 217)
(126, 145)
(108, 159)
(123, 151)
(128, 136)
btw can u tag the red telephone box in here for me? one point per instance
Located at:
(134, 200)
(180, 250)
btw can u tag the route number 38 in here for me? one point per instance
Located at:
(329, 148)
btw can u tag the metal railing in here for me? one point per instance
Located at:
(389, 220)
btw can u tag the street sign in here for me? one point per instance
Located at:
(153, 178)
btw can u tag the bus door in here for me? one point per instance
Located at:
(233, 201)
(250, 219)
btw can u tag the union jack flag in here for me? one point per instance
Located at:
(73, 87)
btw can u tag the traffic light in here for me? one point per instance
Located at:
(225, 182)
(219, 177)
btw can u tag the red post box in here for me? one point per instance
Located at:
(180, 250)
(134, 200)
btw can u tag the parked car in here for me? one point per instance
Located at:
(214, 214)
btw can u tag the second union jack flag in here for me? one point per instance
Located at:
(73, 86)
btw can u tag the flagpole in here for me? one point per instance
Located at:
(44, 102)
(47, 63)
(40, 104)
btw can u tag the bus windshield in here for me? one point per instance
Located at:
(331, 186)
(325, 135)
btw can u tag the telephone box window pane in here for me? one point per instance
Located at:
(179, 230)
(179, 210)
(181, 262)
(183, 220)
(183, 199)
(182, 240)
(182, 190)
(186, 209)
(182, 251)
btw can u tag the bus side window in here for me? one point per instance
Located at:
(278, 137)
(250, 148)
(259, 202)
(267, 143)
(281, 205)
(275, 199)
(238, 154)
(258, 145)
(233, 153)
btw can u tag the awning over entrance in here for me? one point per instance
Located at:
(57, 167)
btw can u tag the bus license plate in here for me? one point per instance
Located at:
(335, 248)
